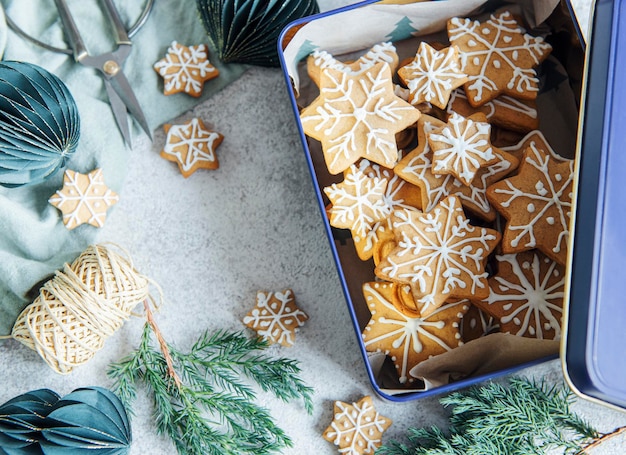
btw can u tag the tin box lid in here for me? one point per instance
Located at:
(594, 341)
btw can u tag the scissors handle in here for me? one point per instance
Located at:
(120, 29)
(73, 35)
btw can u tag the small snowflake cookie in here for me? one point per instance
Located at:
(407, 339)
(439, 254)
(84, 198)
(356, 428)
(536, 203)
(191, 146)
(185, 69)
(526, 295)
(382, 52)
(357, 116)
(498, 56)
(276, 317)
(432, 75)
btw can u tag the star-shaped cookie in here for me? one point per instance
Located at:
(382, 52)
(526, 295)
(498, 56)
(356, 428)
(408, 339)
(432, 75)
(439, 254)
(276, 317)
(536, 203)
(185, 69)
(357, 116)
(416, 167)
(84, 198)
(191, 146)
(461, 148)
(357, 202)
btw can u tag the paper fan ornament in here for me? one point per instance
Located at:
(39, 124)
(247, 31)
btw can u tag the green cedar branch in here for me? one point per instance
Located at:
(201, 400)
(522, 417)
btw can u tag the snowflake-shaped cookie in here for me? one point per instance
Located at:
(408, 339)
(185, 69)
(357, 116)
(498, 56)
(382, 52)
(276, 317)
(461, 148)
(526, 295)
(432, 75)
(84, 198)
(399, 194)
(439, 254)
(537, 204)
(357, 202)
(477, 323)
(356, 428)
(416, 167)
(191, 146)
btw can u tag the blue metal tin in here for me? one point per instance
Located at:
(353, 277)
(595, 337)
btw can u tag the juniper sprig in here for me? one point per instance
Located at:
(522, 417)
(201, 399)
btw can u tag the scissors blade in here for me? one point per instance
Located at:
(124, 91)
(119, 112)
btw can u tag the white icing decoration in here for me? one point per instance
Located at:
(463, 147)
(432, 75)
(358, 429)
(548, 194)
(418, 170)
(531, 297)
(382, 52)
(406, 333)
(487, 49)
(338, 121)
(190, 144)
(189, 63)
(503, 102)
(357, 202)
(274, 319)
(438, 252)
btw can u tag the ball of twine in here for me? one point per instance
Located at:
(80, 307)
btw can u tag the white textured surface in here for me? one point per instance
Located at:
(213, 240)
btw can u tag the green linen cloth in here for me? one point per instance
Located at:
(33, 240)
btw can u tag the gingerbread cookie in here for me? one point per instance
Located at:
(84, 198)
(504, 111)
(380, 53)
(185, 69)
(357, 202)
(461, 148)
(398, 194)
(537, 203)
(477, 323)
(439, 254)
(416, 167)
(406, 339)
(432, 75)
(498, 56)
(276, 317)
(357, 117)
(356, 428)
(191, 146)
(526, 295)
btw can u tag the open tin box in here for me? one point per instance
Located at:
(348, 32)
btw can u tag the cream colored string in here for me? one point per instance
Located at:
(81, 306)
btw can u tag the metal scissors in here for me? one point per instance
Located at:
(121, 96)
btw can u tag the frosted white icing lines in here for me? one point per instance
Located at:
(184, 69)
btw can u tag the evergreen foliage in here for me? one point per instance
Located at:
(519, 418)
(201, 399)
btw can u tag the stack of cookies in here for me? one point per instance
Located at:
(467, 233)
